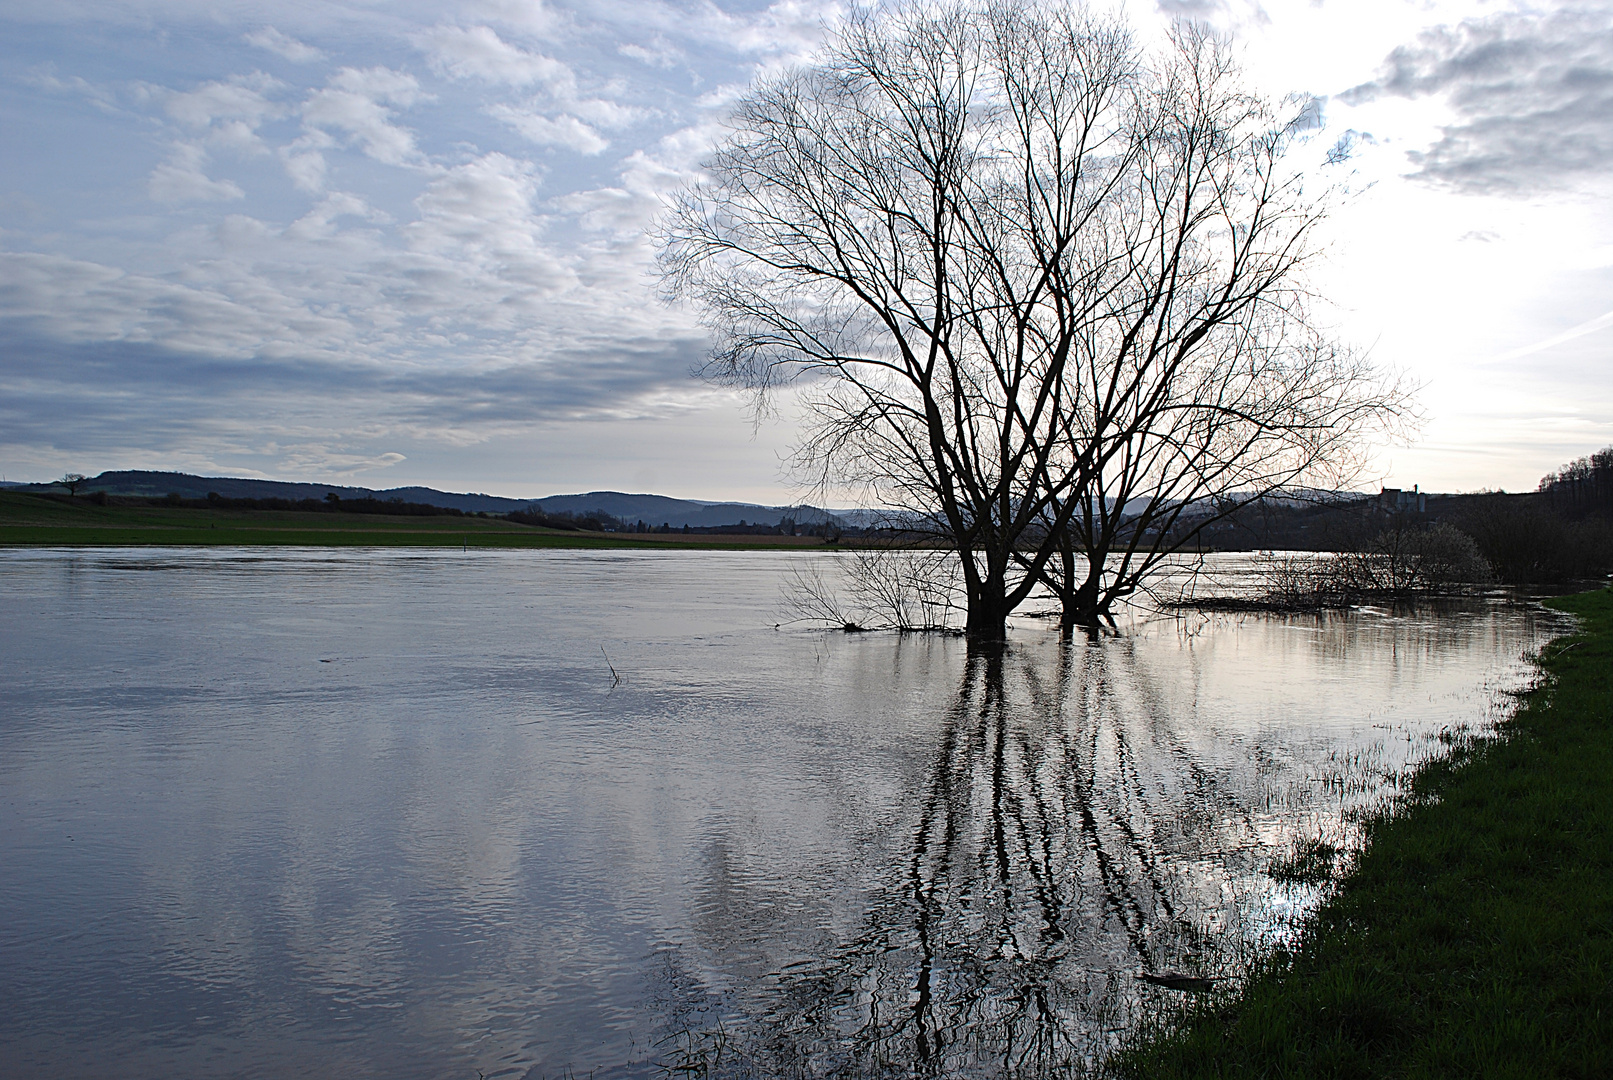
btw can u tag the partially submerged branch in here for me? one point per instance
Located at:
(883, 588)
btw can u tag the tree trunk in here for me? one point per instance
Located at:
(988, 607)
(1082, 604)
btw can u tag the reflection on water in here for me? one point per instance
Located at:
(388, 814)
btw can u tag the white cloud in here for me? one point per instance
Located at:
(479, 217)
(608, 114)
(328, 335)
(567, 131)
(238, 231)
(320, 222)
(281, 45)
(237, 136)
(659, 53)
(627, 209)
(320, 459)
(83, 301)
(783, 31)
(355, 102)
(527, 16)
(76, 85)
(381, 84)
(477, 52)
(242, 98)
(304, 163)
(788, 30)
(181, 179)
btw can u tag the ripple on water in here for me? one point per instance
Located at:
(385, 813)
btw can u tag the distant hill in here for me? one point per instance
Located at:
(661, 510)
(158, 484)
(653, 510)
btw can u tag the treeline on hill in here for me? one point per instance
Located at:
(1582, 488)
(569, 522)
(595, 521)
(330, 504)
(1562, 532)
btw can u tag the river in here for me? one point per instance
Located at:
(569, 813)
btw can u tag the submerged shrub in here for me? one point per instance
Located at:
(1395, 562)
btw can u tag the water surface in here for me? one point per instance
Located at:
(390, 813)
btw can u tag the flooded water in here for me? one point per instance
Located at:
(543, 814)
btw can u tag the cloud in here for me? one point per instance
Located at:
(319, 459)
(1589, 326)
(241, 98)
(135, 400)
(239, 231)
(1532, 98)
(74, 300)
(180, 179)
(372, 310)
(479, 217)
(659, 53)
(356, 101)
(786, 30)
(477, 52)
(288, 48)
(44, 78)
(567, 118)
(528, 16)
(645, 178)
(567, 131)
(1197, 10)
(230, 111)
(304, 163)
(320, 223)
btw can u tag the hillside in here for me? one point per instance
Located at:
(654, 510)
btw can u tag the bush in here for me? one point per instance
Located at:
(1399, 561)
(1408, 558)
(1442, 555)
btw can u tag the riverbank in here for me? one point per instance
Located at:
(29, 521)
(1475, 936)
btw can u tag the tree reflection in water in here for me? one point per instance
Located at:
(1069, 835)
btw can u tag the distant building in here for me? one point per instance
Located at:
(1401, 501)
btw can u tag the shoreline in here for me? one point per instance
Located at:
(1474, 935)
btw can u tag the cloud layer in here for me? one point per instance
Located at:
(419, 224)
(315, 238)
(1532, 99)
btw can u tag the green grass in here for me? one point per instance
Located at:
(31, 521)
(1475, 936)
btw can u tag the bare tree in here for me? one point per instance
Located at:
(992, 244)
(72, 482)
(1201, 384)
(1215, 430)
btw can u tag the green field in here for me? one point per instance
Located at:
(32, 521)
(1475, 936)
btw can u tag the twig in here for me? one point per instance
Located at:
(615, 679)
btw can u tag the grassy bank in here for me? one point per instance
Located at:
(1475, 937)
(30, 521)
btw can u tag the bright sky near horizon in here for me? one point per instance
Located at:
(389, 244)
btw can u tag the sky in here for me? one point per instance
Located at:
(406, 243)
